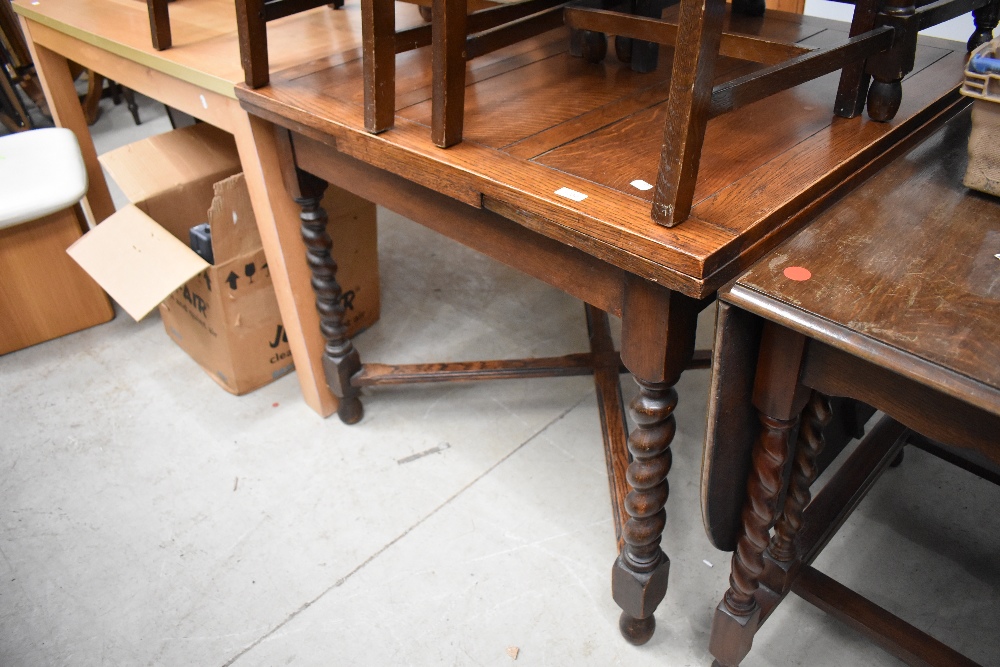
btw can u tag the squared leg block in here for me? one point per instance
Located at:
(639, 593)
(732, 635)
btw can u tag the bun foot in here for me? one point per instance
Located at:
(623, 49)
(594, 45)
(884, 98)
(636, 631)
(350, 410)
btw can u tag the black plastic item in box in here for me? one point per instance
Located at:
(201, 241)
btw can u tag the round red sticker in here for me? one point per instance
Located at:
(797, 273)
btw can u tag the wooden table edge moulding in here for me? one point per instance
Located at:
(209, 98)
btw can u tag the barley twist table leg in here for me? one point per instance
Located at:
(639, 577)
(340, 360)
(809, 445)
(738, 615)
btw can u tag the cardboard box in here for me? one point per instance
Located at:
(225, 315)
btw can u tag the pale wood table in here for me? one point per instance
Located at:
(197, 76)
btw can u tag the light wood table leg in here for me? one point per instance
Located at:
(53, 73)
(278, 221)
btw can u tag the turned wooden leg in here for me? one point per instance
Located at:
(986, 19)
(738, 615)
(340, 360)
(779, 399)
(888, 69)
(639, 577)
(645, 56)
(809, 444)
(658, 330)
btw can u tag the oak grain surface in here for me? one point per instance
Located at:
(908, 260)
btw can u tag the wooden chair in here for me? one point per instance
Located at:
(43, 293)
(881, 46)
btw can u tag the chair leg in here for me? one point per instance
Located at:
(645, 56)
(159, 24)
(92, 100)
(378, 27)
(888, 68)
(854, 80)
(448, 57)
(700, 31)
(749, 7)
(986, 19)
(133, 108)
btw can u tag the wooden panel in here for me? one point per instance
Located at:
(43, 292)
(965, 419)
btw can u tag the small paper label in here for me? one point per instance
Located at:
(571, 194)
(640, 184)
(204, 102)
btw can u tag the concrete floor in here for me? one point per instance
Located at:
(149, 518)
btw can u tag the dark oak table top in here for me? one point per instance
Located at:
(538, 120)
(905, 273)
(905, 282)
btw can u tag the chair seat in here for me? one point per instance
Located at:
(41, 172)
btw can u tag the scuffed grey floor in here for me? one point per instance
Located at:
(149, 518)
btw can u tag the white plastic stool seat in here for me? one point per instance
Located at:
(41, 172)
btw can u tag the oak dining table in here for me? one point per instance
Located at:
(553, 177)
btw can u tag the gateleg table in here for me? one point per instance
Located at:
(891, 298)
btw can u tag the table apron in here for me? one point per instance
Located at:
(197, 101)
(571, 270)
